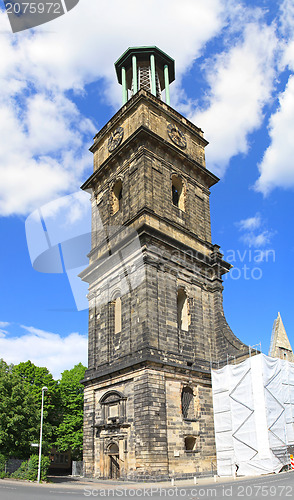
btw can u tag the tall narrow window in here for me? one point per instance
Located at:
(183, 310)
(117, 315)
(116, 197)
(175, 195)
(188, 403)
(178, 198)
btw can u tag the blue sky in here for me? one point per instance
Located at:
(234, 79)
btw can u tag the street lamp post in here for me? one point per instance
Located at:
(44, 389)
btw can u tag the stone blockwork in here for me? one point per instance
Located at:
(149, 430)
(149, 369)
(143, 111)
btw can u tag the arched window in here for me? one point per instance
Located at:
(113, 449)
(183, 310)
(113, 408)
(188, 403)
(116, 197)
(178, 197)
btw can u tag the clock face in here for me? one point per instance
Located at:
(115, 139)
(177, 136)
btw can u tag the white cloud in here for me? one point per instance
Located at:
(277, 166)
(49, 130)
(241, 83)
(3, 324)
(45, 349)
(44, 137)
(42, 152)
(287, 17)
(36, 182)
(68, 212)
(257, 240)
(250, 223)
(253, 233)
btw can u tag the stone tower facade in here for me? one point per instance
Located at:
(156, 321)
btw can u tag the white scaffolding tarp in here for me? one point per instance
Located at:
(253, 406)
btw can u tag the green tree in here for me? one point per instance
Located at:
(29, 469)
(34, 378)
(70, 431)
(19, 418)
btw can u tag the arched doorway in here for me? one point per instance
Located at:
(113, 452)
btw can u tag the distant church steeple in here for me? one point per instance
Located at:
(280, 345)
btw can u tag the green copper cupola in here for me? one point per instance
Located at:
(145, 67)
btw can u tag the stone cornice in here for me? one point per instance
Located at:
(209, 178)
(141, 96)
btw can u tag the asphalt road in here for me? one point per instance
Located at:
(272, 487)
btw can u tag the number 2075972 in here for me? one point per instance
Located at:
(33, 8)
(265, 491)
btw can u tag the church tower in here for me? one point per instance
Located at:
(280, 346)
(156, 321)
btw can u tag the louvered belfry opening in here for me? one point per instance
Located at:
(144, 80)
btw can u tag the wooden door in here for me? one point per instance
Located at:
(114, 466)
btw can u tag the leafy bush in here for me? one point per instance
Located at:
(29, 469)
(2, 462)
(33, 467)
(3, 475)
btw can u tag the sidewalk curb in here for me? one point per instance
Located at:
(72, 482)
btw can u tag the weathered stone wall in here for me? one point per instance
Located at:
(200, 427)
(151, 433)
(143, 111)
(149, 310)
(147, 185)
(89, 431)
